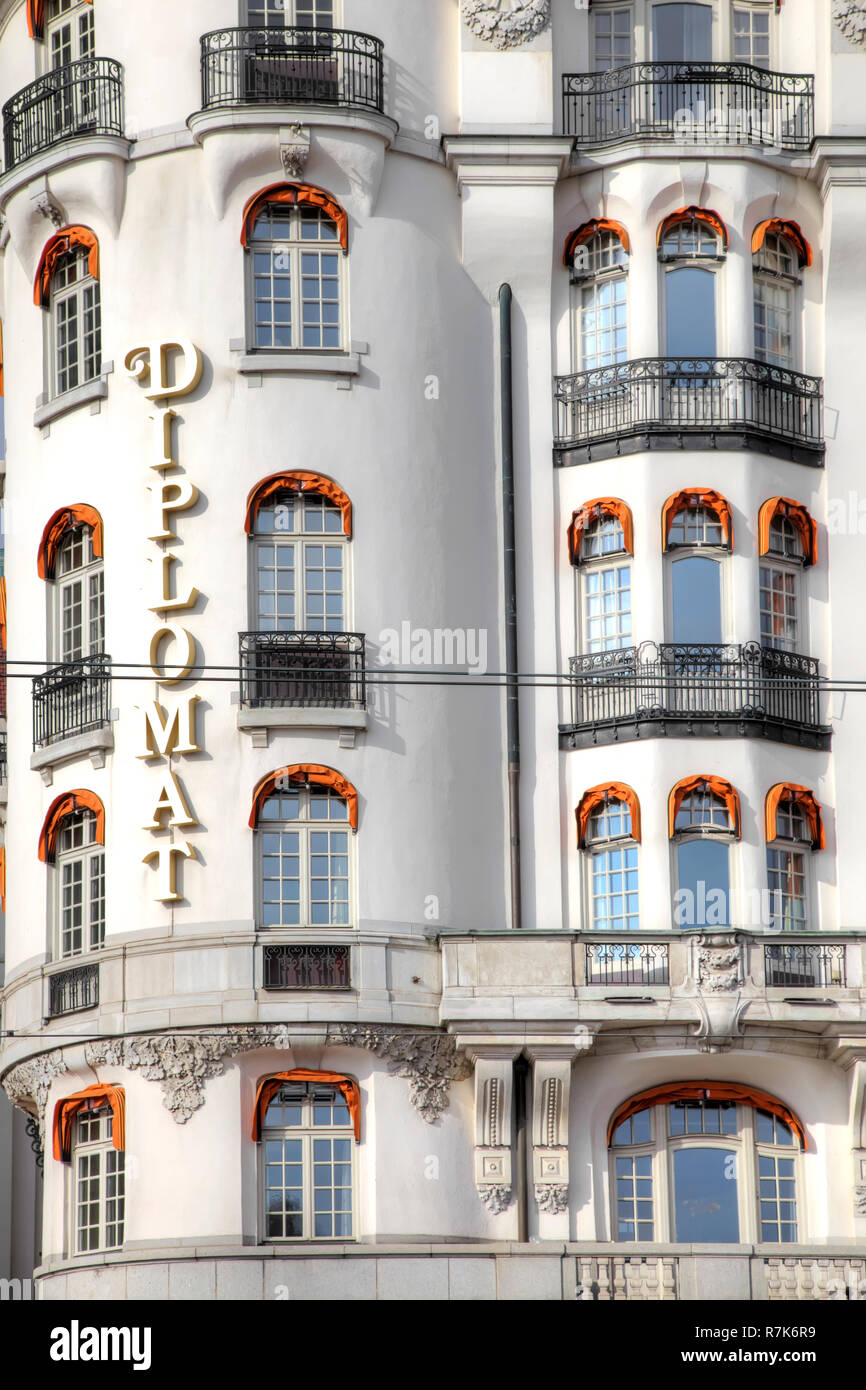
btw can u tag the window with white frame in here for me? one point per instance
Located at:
(79, 598)
(79, 869)
(300, 565)
(98, 1177)
(613, 868)
(600, 274)
(779, 585)
(788, 868)
(704, 1171)
(303, 14)
(612, 37)
(305, 859)
(686, 251)
(775, 278)
(696, 525)
(69, 31)
(750, 35)
(306, 1173)
(702, 834)
(606, 587)
(295, 265)
(75, 323)
(691, 239)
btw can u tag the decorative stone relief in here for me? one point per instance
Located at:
(850, 17)
(506, 23)
(552, 1197)
(860, 1199)
(294, 149)
(551, 1074)
(720, 962)
(28, 1084)
(46, 204)
(496, 1199)
(430, 1062)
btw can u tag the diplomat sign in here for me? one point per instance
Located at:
(167, 370)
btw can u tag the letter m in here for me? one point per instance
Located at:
(166, 732)
(10, 1290)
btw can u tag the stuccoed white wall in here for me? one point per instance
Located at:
(816, 1091)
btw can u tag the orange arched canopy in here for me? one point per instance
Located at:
(78, 514)
(697, 497)
(268, 1088)
(92, 1098)
(791, 230)
(305, 772)
(293, 193)
(591, 511)
(706, 1090)
(587, 230)
(36, 17)
(693, 214)
(799, 517)
(802, 797)
(716, 786)
(66, 805)
(63, 241)
(597, 796)
(297, 481)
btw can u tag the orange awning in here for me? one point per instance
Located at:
(587, 230)
(63, 241)
(297, 481)
(786, 229)
(697, 497)
(591, 511)
(76, 515)
(92, 1098)
(66, 805)
(597, 796)
(305, 772)
(802, 797)
(799, 517)
(716, 786)
(706, 1090)
(693, 214)
(268, 1088)
(293, 193)
(36, 17)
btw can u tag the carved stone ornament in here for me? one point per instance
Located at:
(47, 205)
(719, 963)
(183, 1062)
(495, 1197)
(860, 1199)
(295, 150)
(850, 17)
(552, 1197)
(506, 23)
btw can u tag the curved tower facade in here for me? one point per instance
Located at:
(287, 974)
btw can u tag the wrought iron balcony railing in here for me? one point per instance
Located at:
(291, 67)
(82, 98)
(690, 103)
(321, 669)
(299, 966)
(627, 963)
(804, 964)
(714, 687)
(71, 699)
(3, 754)
(70, 991)
(651, 399)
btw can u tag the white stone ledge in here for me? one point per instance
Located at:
(257, 116)
(297, 363)
(93, 745)
(88, 394)
(73, 151)
(300, 717)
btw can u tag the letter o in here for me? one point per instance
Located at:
(186, 644)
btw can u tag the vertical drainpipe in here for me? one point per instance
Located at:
(512, 707)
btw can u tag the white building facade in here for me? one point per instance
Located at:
(309, 991)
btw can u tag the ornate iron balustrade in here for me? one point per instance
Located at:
(3, 763)
(291, 67)
(70, 991)
(627, 963)
(71, 699)
(321, 669)
(83, 98)
(700, 103)
(299, 966)
(804, 964)
(688, 396)
(697, 684)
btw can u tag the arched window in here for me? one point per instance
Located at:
(608, 821)
(73, 561)
(89, 1132)
(705, 1163)
(776, 283)
(72, 844)
(302, 14)
(605, 585)
(691, 244)
(303, 816)
(597, 252)
(67, 286)
(703, 819)
(787, 544)
(794, 827)
(307, 1134)
(293, 235)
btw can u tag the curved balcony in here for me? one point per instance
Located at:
(296, 669)
(291, 67)
(700, 690)
(84, 98)
(689, 103)
(71, 700)
(688, 403)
